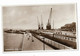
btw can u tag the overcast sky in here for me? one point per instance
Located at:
(25, 17)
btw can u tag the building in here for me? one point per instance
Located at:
(69, 27)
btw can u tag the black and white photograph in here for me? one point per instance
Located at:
(39, 27)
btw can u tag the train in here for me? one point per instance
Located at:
(66, 40)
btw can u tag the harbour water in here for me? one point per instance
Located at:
(23, 42)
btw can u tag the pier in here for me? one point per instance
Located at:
(45, 36)
(39, 40)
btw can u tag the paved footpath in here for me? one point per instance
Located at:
(36, 45)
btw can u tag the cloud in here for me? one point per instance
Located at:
(25, 17)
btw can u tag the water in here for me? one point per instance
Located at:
(16, 42)
(12, 41)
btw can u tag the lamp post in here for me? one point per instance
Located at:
(43, 43)
(22, 41)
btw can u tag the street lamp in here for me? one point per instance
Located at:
(21, 45)
(43, 43)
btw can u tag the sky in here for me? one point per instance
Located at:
(25, 17)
